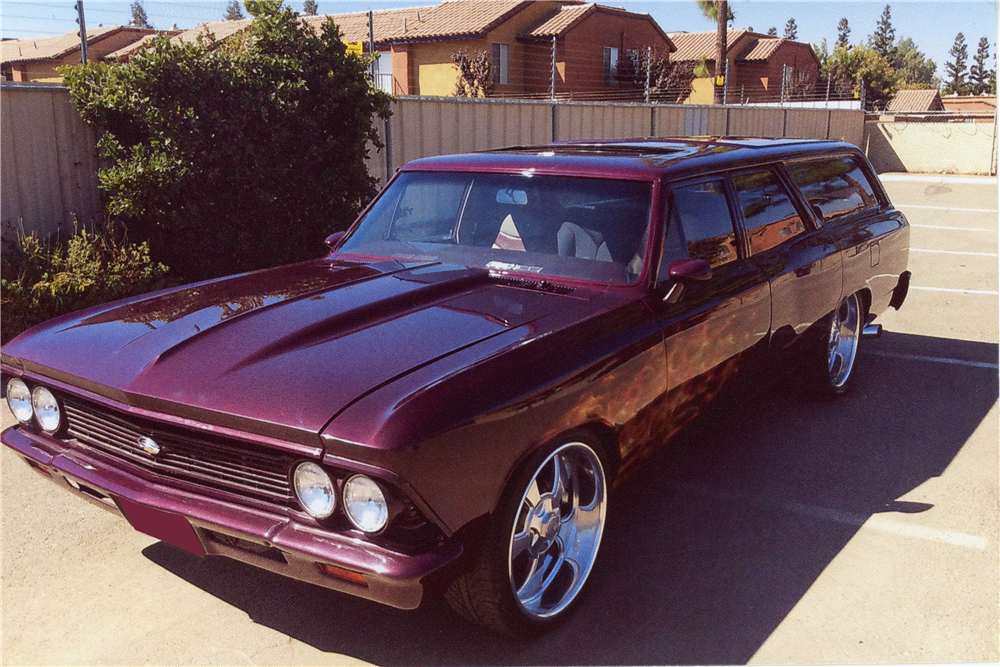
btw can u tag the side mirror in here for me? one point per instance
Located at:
(333, 239)
(685, 271)
(690, 270)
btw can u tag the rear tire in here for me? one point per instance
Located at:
(542, 542)
(831, 363)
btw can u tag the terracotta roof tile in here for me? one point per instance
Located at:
(698, 45)
(50, 48)
(761, 48)
(916, 100)
(560, 22)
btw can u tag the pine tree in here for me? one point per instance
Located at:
(791, 30)
(884, 37)
(233, 11)
(956, 69)
(139, 18)
(979, 73)
(772, 31)
(843, 33)
(309, 8)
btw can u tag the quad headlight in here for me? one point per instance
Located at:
(19, 400)
(364, 504)
(315, 490)
(46, 408)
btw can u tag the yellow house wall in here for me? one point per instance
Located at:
(702, 91)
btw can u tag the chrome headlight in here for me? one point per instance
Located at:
(365, 504)
(46, 409)
(19, 400)
(315, 490)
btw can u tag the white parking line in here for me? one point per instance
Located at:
(954, 252)
(957, 291)
(939, 178)
(947, 208)
(887, 525)
(937, 360)
(957, 229)
(874, 521)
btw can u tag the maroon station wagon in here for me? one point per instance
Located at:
(442, 403)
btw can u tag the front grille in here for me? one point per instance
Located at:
(230, 466)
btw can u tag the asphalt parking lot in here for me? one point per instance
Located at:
(783, 531)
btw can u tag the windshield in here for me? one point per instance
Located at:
(586, 228)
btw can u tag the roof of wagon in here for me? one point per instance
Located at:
(629, 158)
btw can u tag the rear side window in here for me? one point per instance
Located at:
(769, 216)
(700, 212)
(833, 186)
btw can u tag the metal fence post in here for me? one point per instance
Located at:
(553, 92)
(388, 149)
(83, 32)
(649, 67)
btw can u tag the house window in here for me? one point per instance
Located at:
(610, 66)
(501, 64)
(383, 72)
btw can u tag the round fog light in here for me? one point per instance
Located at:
(46, 409)
(19, 400)
(315, 490)
(365, 504)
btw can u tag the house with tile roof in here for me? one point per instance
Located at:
(757, 64)
(928, 99)
(416, 45)
(38, 59)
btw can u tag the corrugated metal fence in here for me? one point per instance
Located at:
(422, 126)
(49, 167)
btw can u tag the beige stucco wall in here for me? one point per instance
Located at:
(954, 148)
(702, 91)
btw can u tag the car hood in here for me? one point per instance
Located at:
(281, 351)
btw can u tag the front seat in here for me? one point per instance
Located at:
(509, 237)
(575, 241)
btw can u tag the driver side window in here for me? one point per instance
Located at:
(699, 225)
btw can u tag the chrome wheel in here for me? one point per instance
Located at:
(557, 530)
(842, 345)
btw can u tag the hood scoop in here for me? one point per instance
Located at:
(534, 285)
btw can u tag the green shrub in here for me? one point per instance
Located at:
(236, 155)
(44, 279)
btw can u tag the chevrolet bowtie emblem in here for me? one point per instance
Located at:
(149, 446)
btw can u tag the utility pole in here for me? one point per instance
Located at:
(371, 45)
(552, 93)
(649, 67)
(721, 46)
(83, 32)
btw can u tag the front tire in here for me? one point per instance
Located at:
(543, 542)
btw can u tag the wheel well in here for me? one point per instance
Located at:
(866, 301)
(608, 438)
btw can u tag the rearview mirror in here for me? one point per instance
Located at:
(685, 271)
(333, 239)
(688, 270)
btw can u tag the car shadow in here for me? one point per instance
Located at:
(708, 546)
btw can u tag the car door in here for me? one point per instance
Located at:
(802, 262)
(715, 323)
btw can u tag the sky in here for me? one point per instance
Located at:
(932, 25)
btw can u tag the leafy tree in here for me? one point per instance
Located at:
(237, 155)
(475, 73)
(861, 69)
(669, 82)
(884, 36)
(310, 8)
(955, 69)
(915, 70)
(822, 52)
(772, 31)
(233, 11)
(139, 18)
(791, 30)
(992, 83)
(979, 73)
(843, 33)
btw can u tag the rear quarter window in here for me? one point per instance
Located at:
(834, 187)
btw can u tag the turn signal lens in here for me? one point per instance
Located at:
(341, 573)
